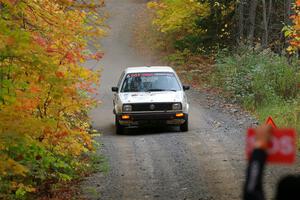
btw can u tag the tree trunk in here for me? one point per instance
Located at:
(270, 11)
(252, 17)
(265, 25)
(241, 21)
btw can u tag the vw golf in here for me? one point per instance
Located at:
(150, 95)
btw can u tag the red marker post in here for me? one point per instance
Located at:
(282, 149)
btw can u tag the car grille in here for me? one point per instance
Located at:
(152, 106)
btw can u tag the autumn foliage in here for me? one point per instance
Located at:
(293, 31)
(45, 91)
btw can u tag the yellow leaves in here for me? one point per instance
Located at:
(2, 146)
(153, 5)
(293, 32)
(47, 92)
(178, 16)
(85, 73)
(16, 167)
(10, 166)
(27, 188)
(290, 49)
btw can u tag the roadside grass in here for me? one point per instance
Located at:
(261, 81)
(286, 114)
(99, 163)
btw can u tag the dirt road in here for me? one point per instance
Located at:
(205, 163)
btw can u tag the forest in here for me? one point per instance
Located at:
(247, 50)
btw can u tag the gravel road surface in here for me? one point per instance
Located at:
(205, 163)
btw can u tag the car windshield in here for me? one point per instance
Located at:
(150, 82)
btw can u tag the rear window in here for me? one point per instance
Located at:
(150, 82)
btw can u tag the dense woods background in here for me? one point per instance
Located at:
(207, 23)
(248, 49)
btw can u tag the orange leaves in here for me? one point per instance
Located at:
(29, 100)
(39, 40)
(295, 43)
(59, 74)
(46, 90)
(85, 86)
(293, 32)
(35, 89)
(70, 57)
(26, 104)
(97, 56)
(71, 91)
(10, 41)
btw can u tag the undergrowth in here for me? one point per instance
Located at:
(262, 81)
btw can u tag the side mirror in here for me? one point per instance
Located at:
(114, 89)
(186, 87)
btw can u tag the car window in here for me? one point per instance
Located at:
(150, 82)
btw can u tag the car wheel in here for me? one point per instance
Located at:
(185, 126)
(119, 127)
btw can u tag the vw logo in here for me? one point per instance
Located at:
(152, 107)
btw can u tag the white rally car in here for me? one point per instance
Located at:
(150, 95)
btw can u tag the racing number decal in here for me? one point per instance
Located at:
(149, 74)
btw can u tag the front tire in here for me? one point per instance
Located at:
(185, 126)
(119, 127)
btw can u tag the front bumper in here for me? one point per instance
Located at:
(143, 119)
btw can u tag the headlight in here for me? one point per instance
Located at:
(176, 106)
(127, 108)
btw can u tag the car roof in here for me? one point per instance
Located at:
(148, 69)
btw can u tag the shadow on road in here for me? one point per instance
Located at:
(151, 130)
(110, 130)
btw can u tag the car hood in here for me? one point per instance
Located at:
(148, 97)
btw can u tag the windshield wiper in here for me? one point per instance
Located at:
(159, 90)
(154, 90)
